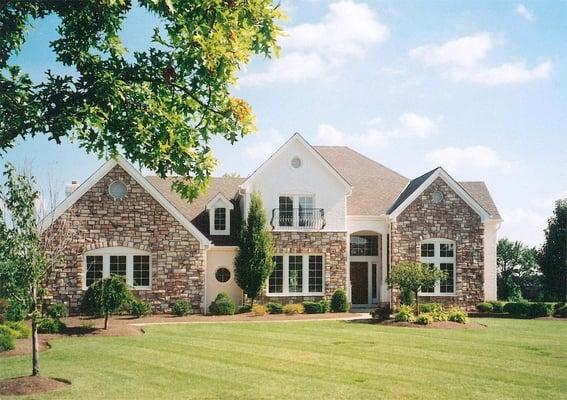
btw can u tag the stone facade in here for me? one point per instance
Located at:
(332, 245)
(451, 219)
(137, 222)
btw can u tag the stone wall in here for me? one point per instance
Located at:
(332, 245)
(139, 222)
(452, 219)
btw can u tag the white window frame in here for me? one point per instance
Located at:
(295, 208)
(305, 276)
(437, 260)
(106, 252)
(219, 201)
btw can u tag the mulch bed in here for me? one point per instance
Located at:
(434, 325)
(27, 385)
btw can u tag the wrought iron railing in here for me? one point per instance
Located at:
(298, 218)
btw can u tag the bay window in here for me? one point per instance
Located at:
(297, 274)
(440, 254)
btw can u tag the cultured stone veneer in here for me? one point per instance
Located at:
(451, 219)
(139, 222)
(333, 247)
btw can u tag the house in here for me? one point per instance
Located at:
(338, 220)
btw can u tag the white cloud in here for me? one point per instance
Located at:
(263, 148)
(523, 224)
(523, 12)
(410, 125)
(318, 50)
(463, 59)
(455, 159)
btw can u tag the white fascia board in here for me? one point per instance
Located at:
(454, 185)
(222, 198)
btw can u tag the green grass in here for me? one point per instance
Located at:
(312, 360)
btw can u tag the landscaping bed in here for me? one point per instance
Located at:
(432, 325)
(27, 385)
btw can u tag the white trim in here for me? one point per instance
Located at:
(134, 173)
(212, 208)
(129, 253)
(297, 137)
(305, 276)
(220, 197)
(437, 260)
(454, 185)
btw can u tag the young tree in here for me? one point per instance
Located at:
(517, 270)
(161, 105)
(27, 258)
(105, 297)
(412, 276)
(553, 254)
(254, 261)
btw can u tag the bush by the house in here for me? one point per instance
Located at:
(57, 311)
(430, 307)
(223, 305)
(259, 310)
(316, 307)
(274, 308)
(6, 342)
(140, 308)
(6, 330)
(424, 319)
(561, 312)
(457, 315)
(291, 309)
(245, 308)
(22, 330)
(439, 315)
(181, 308)
(16, 311)
(105, 297)
(485, 307)
(517, 309)
(339, 301)
(381, 313)
(497, 306)
(405, 314)
(406, 297)
(536, 310)
(50, 325)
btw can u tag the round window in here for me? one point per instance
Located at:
(117, 190)
(437, 197)
(222, 275)
(296, 162)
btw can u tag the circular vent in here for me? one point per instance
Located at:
(437, 197)
(296, 162)
(117, 190)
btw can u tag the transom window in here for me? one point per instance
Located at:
(297, 274)
(132, 264)
(220, 219)
(363, 245)
(440, 253)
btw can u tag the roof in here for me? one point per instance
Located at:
(375, 187)
(479, 191)
(196, 211)
(412, 186)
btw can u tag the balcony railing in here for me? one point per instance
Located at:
(298, 218)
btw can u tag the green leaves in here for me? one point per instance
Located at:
(159, 107)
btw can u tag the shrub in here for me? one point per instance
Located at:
(517, 309)
(424, 319)
(181, 308)
(405, 314)
(49, 325)
(6, 330)
(244, 309)
(6, 343)
(561, 312)
(293, 309)
(540, 310)
(407, 297)
(3, 311)
(105, 297)
(223, 305)
(57, 311)
(17, 311)
(316, 307)
(339, 301)
(497, 306)
(485, 307)
(139, 308)
(457, 315)
(274, 308)
(430, 307)
(381, 313)
(259, 310)
(439, 315)
(22, 330)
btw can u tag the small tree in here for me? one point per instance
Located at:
(518, 271)
(254, 262)
(106, 296)
(553, 255)
(412, 276)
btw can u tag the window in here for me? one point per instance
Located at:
(363, 245)
(275, 283)
(220, 219)
(94, 270)
(134, 265)
(222, 275)
(117, 190)
(298, 211)
(286, 211)
(305, 211)
(440, 253)
(297, 274)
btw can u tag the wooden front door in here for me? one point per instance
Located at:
(359, 282)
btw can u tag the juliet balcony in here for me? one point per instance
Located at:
(298, 218)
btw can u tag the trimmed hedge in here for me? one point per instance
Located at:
(339, 301)
(517, 309)
(50, 325)
(274, 308)
(497, 306)
(139, 308)
(223, 305)
(561, 312)
(319, 307)
(485, 307)
(244, 309)
(181, 308)
(536, 310)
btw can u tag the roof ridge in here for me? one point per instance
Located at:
(375, 162)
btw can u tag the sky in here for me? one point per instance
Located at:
(477, 87)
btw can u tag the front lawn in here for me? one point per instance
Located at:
(311, 360)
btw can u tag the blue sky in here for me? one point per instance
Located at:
(477, 87)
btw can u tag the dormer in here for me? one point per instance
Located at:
(219, 215)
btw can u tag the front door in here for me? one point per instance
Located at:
(359, 282)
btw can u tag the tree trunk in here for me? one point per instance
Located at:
(251, 302)
(417, 302)
(105, 321)
(35, 336)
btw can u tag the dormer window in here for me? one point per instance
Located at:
(219, 215)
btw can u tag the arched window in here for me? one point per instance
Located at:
(130, 263)
(440, 253)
